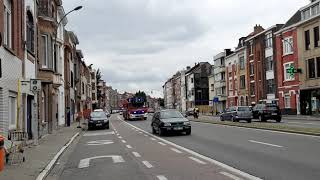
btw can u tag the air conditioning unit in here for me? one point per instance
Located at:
(35, 85)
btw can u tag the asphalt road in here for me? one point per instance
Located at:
(127, 153)
(265, 154)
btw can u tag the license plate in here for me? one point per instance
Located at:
(178, 128)
(274, 114)
(98, 124)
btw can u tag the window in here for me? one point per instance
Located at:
(223, 76)
(222, 61)
(252, 89)
(223, 91)
(287, 76)
(192, 92)
(311, 68)
(316, 36)
(251, 48)
(271, 86)
(268, 40)
(30, 32)
(191, 80)
(243, 82)
(8, 35)
(288, 46)
(287, 99)
(242, 65)
(12, 110)
(315, 10)
(212, 87)
(269, 63)
(44, 43)
(82, 88)
(318, 67)
(230, 75)
(251, 69)
(71, 79)
(230, 86)
(307, 39)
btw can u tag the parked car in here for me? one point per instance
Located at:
(190, 112)
(170, 121)
(237, 113)
(98, 119)
(264, 112)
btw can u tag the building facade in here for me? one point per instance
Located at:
(242, 72)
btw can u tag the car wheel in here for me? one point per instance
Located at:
(261, 118)
(153, 130)
(221, 118)
(188, 132)
(161, 132)
(249, 121)
(278, 120)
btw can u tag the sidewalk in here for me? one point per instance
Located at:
(37, 157)
(285, 117)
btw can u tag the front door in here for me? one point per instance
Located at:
(29, 116)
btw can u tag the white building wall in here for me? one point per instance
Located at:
(183, 92)
(11, 73)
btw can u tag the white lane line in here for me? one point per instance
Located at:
(129, 147)
(153, 139)
(268, 144)
(161, 177)
(197, 160)
(147, 164)
(220, 164)
(163, 144)
(123, 141)
(231, 176)
(120, 137)
(176, 150)
(145, 135)
(140, 132)
(136, 154)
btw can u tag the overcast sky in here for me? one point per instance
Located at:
(138, 44)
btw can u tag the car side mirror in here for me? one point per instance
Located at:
(186, 115)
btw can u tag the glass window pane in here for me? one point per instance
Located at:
(318, 66)
(311, 68)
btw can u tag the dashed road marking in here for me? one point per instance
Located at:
(147, 164)
(120, 137)
(161, 177)
(123, 141)
(176, 150)
(163, 144)
(136, 154)
(98, 134)
(197, 160)
(99, 142)
(129, 147)
(267, 144)
(230, 176)
(153, 139)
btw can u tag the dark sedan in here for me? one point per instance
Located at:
(98, 119)
(170, 121)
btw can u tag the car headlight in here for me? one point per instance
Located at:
(187, 123)
(167, 124)
(106, 120)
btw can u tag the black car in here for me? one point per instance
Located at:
(264, 112)
(170, 121)
(98, 119)
(236, 114)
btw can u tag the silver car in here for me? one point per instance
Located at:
(237, 113)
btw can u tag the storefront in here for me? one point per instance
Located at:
(310, 102)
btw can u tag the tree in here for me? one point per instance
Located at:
(141, 95)
(98, 75)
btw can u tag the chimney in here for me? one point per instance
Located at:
(228, 52)
(188, 67)
(258, 28)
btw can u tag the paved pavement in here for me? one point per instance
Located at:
(37, 157)
(290, 121)
(265, 154)
(126, 153)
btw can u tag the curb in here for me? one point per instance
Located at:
(269, 129)
(47, 169)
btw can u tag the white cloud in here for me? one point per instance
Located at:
(139, 44)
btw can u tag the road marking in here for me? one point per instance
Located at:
(161, 177)
(120, 137)
(163, 144)
(145, 135)
(123, 141)
(230, 176)
(129, 147)
(140, 132)
(84, 163)
(197, 160)
(147, 164)
(136, 154)
(222, 165)
(98, 134)
(46, 170)
(99, 142)
(153, 139)
(176, 150)
(268, 144)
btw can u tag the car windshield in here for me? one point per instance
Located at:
(98, 114)
(243, 108)
(171, 114)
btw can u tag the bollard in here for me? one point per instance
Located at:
(2, 153)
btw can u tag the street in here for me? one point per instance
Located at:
(126, 152)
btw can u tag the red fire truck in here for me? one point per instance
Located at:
(135, 109)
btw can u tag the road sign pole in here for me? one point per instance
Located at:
(36, 119)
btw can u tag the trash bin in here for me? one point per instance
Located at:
(2, 153)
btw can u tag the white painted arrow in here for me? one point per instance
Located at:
(98, 134)
(84, 163)
(99, 142)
